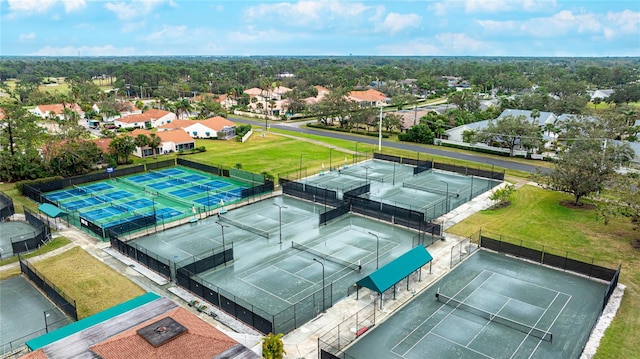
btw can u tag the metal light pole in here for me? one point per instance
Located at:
(377, 247)
(447, 198)
(366, 173)
(330, 153)
(46, 325)
(280, 207)
(323, 296)
(300, 168)
(224, 252)
(380, 131)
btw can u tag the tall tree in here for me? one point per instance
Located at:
(509, 132)
(141, 142)
(585, 167)
(122, 147)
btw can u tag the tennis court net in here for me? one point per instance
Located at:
(492, 317)
(441, 191)
(360, 175)
(82, 190)
(248, 228)
(325, 256)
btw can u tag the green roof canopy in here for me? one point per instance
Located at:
(387, 276)
(54, 336)
(51, 210)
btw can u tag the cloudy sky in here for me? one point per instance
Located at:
(320, 28)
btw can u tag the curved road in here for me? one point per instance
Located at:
(295, 127)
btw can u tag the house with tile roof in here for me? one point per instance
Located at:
(57, 110)
(146, 327)
(171, 140)
(214, 127)
(149, 119)
(368, 98)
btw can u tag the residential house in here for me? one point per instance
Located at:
(150, 119)
(368, 98)
(124, 108)
(57, 110)
(601, 94)
(214, 127)
(411, 117)
(146, 327)
(322, 92)
(171, 140)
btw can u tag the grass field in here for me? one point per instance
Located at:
(535, 215)
(94, 285)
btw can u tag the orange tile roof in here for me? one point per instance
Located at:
(58, 108)
(38, 354)
(152, 114)
(177, 124)
(370, 95)
(217, 123)
(200, 341)
(103, 144)
(176, 136)
(321, 89)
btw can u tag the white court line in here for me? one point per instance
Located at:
(268, 292)
(441, 320)
(551, 326)
(458, 344)
(487, 323)
(509, 298)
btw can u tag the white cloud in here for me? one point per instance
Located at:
(313, 13)
(27, 37)
(107, 50)
(132, 26)
(168, 33)
(40, 6)
(566, 22)
(134, 9)
(395, 22)
(492, 6)
(459, 43)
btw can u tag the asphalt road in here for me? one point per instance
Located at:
(296, 127)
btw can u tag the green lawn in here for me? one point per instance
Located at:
(50, 246)
(94, 285)
(535, 215)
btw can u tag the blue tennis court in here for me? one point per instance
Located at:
(160, 185)
(80, 203)
(120, 194)
(215, 199)
(217, 184)
(166, 212)
(194, 178)
(97, 187)
(186, 192)
(143, 178)
(98, 214)
(138, 204)
(172, 171)
(61, 195)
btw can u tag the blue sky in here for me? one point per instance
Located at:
(320, 28)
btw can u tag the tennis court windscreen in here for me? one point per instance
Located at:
(328, 257)
(246, 227)
(492, 317)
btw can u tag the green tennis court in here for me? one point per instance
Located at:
(491, 306)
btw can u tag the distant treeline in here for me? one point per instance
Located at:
(189, 75)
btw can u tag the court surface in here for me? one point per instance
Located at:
(169, 193)
(498, 300)
(22, 313)
(271, 274)
(14, 231)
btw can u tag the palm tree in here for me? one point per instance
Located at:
(273, 346)
(535, 114)
(183, 106)
(154, 142)
(142, 141)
